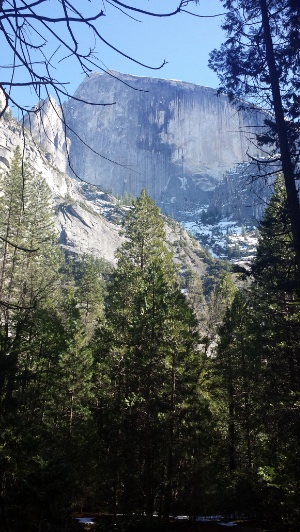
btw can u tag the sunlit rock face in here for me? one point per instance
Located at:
(176, 139)
(46, 125)
(80, 212)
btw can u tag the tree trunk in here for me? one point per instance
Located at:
(285, 153)
(169, 465)
(168, 483)
(248, 432)
(231, 430)
(148, 466)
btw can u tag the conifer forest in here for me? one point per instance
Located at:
(138, 391)
(121, 395)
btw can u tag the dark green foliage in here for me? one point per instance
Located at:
(215, 271)
(110, 399)
(276, 301)
(148, 347)
(275, 263)
(242, 61)
(259, 62)
(45, 363)
(257, 360)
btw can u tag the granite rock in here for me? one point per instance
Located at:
(173, 138)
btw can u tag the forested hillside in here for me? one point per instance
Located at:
(162, 388)
(123, 393)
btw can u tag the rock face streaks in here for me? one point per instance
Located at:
(174, 138)
(46, 126)
(80, 221)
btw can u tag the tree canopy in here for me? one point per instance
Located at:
(110, 399)
(148, 348)
(260, 61)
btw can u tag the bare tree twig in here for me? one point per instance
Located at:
(21, 248)
(28, 30)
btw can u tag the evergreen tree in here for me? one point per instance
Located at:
(220, 301)
(148, 347)
(29, 258)
(259, 61)
(275, 274)
(258, 361)
(238, 365)
(275, 300)
(235, 372)
(89, 294)
(29, 262)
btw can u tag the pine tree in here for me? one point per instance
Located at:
(220, 301)
(149, 347)
(258, 360)
(237, 364)
(89, 293)
(275, 300)
(29, 263)
(29, 258)
(275, 274)
(259, 61)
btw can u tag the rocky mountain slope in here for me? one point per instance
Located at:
(88, 220)
(188, 146)
(81, 225)
(227, 224)
(173, 138)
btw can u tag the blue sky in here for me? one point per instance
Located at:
(183, 40)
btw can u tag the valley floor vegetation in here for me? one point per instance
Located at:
(116, 398)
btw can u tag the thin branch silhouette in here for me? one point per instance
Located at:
(28, 32)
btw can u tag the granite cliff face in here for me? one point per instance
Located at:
(240, 197)
(45, 124)
(189, 147)
(88, 220)
(176, 139)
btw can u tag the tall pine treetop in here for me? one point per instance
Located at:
(145, 234)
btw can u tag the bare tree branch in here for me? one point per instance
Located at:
(21, 248)
(14, 307)
(28, 31)
(20, 27)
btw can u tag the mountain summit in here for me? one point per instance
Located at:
(173, 138)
